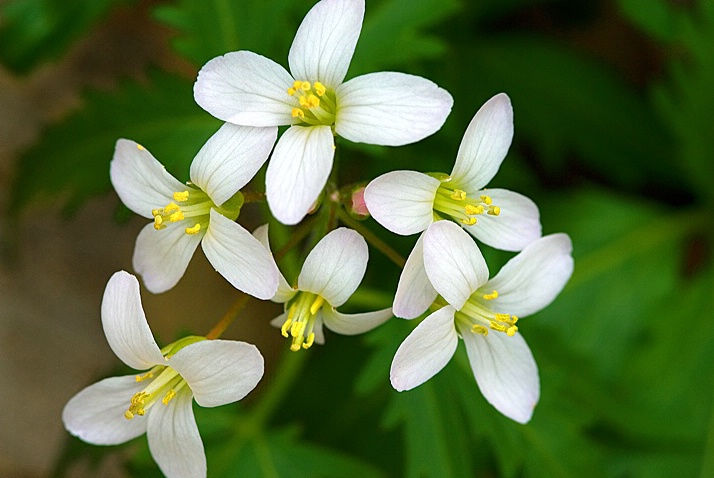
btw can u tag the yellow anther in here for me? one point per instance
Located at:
(512, 331)
(458, 194)
(469, 221)
(140, 147)
(310, 340)
(491, 296)
(486, 200)
(494, 210)
(157, 222)
(169, 395)
(503, 317)
(295, 347)
(285, 327)
(319, 300)
(176, 217)
(171, 207)
(128, 415)
(313, 101)
(297, 113)
(305, 86)
(291, 91)
(514, 319)
(303, 102)
(319, 88)
(193, 230)
(479, 329)
(180, 196)
(498, 327)
(297, 84)
(141, 378)
(155, 212)
(473, 210)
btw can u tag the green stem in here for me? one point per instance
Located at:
(372, 238)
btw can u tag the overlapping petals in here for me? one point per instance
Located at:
(216, 372)
(202, 211)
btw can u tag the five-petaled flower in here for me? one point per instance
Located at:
(159, 401)
(330, 274)
(203, 210)
(408, 202)
(387, 108)
(484, 313)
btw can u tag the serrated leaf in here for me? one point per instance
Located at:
(35, 30)
(71, 162)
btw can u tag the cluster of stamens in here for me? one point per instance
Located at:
(316, 105)
(165, 386)
(197, 203)
(482, 319)
(301, 320)
(456, 204)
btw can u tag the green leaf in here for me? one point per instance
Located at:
(71, 161)
(35, 30)
(656, 17)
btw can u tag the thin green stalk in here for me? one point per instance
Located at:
(372, 238)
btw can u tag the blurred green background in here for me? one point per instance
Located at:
(614, 139)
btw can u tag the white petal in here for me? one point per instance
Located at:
(335, 267)
(298, 171)
(96, 414)
(517, 226)
(245, 88)
(125, 325)
(485, 144)
(532, 279)
(173, 436)
(141, 182)
(414, 292)
(219, 371)
(505, 372)
(353, 324)
(230, 159)
(240, 258)
(453, 262)
(161, 257)
(426, 351)
(402, 201)
(390, 109)
(285, 292)
(325, 42)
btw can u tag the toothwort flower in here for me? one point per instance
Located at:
(407, 202)
(484, 314)
(331, 273)
(159, 402)
(204, 210)
(385, 108)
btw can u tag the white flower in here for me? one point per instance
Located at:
(202, 211)
(159, 402)
(331, 273)
(407, 202)
(386, 108)
(484, 314)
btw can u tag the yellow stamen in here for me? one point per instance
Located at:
(297, 84)
(193, 230)
(141, 378)
(297, 113)
(176, 217)
(180, 196)
(494, 210)
(491, 296)
(295, 347)
(473, 210)
(169, 395)
(128, 415)
(305, 86)
(469, 221)
(291, 91)
(319, 88)
(479, 329)
(140, 147)
(313, 101)
(316, 304)
(157, 222)
(486, 200)
(285, 327)
(458, 194)
(171, 207)
(310, 340)
(512, 331)
(303, 102)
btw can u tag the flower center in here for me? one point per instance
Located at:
(165, 382)
(315, 104)
(456, 204)
(194, 207)
(300, 323)
(480, 318)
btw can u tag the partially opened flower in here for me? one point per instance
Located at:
(386, 108)
(484, 314)
(408, 202)
(204, 210)
(331, 273)
(159, 401)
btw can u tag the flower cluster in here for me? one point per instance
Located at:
(444, 275)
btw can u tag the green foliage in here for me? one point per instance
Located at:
(72, 160)
(35, 30)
